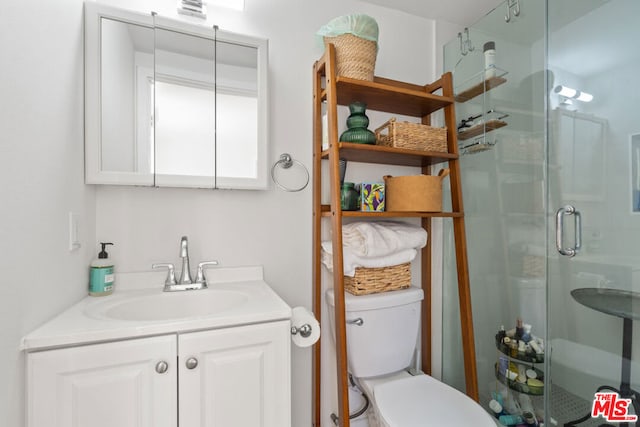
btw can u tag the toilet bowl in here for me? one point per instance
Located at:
(382, 332)
(421, 400)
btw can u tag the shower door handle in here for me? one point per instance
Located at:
(560, 214)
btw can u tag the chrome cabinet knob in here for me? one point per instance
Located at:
(162, 367)
(191, 363)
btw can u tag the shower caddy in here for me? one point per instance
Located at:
(391, 96)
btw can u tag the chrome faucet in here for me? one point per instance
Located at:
(185, 283)
(185, 277)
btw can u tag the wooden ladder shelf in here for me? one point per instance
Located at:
(397, 98)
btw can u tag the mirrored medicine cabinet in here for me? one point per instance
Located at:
(173, 104)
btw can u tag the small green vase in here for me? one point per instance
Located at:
(349, 197)
(357, 123)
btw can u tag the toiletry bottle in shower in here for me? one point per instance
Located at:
(501, 334)
(496, 408)
(519, 329)
(510, 420)
(529, 419)
(489, 60)
(526, 334)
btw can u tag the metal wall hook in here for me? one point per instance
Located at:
(466, 45)
(515, 5)
(463, 47)
(470, 46)
(285, 162)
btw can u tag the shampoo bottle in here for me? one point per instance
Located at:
(101, 274)
(489, 49)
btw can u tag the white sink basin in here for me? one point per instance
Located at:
(170, 305)
(236, 296)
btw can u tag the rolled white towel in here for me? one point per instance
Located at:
(351, 261)
(381, 238)
(536, 250)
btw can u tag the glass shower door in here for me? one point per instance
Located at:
(593, 175)
(501, 135)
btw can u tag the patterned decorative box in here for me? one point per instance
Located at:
(372, 197)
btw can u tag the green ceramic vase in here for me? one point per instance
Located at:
(349, 197)
(357, 123)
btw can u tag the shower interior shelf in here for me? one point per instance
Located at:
(478, 145)
(523, 387)
(519, 359)
(481, 128)
(523, 357)
(485, 84)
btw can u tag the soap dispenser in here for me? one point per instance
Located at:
(101, 276)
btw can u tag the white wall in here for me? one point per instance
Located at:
(41, 176)
(272, 228)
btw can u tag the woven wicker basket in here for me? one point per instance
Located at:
(533, 266)
(412, 136)
(376, 280)
(355, 56)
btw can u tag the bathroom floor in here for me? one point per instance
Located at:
(566, 406)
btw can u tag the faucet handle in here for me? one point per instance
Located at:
(171, 273)
(184, 245)
(201, 266)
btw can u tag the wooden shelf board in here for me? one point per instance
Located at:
(481, 128)
(326, 211)
(379, 154)
(481, 87)
(390, 98)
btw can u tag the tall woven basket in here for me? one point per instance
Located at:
(355, 56)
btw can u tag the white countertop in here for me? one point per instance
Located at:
(82, 323)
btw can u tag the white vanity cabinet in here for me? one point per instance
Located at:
(104, 385)
(230, 377)
(242, 377)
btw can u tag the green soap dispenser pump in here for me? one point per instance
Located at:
(101, 276)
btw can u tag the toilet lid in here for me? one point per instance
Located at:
(424, 401)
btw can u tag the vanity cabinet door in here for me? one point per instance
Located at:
(121, 384)
(236, 377)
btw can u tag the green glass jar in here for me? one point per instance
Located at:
(349, 197)
(357, 123)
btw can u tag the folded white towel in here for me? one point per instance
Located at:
(529, 249)
(536, 250)
(381, 238)
(350, 260)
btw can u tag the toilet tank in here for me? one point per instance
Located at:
(386, 340)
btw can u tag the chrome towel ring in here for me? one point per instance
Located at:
(285, 162)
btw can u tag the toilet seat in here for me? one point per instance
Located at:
(421, 401)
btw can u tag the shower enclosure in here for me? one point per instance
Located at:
(550, 134)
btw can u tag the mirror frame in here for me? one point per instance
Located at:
(94, 13)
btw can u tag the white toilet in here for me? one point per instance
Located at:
(380, 349)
